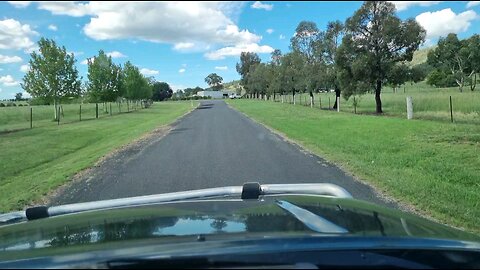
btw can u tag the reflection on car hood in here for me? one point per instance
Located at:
(236, 218)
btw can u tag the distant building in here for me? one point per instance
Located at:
(215, 94)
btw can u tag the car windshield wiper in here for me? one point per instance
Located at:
(312, 221)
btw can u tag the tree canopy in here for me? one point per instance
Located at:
(215, 81)
(52, 74)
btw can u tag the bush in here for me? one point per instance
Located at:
(20, 105)
(2, 105)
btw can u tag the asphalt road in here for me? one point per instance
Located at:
(212, 146)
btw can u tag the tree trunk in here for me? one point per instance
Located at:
(337, 95)
(311, 99)
(474, 82)
(378, 100)
(293, 94)
(283, 98)
(55, 115)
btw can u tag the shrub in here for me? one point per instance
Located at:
(2, 105)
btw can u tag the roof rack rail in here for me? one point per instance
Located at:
(247, 191)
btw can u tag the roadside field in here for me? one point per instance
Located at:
(17, 118)
(428, 103)
(36, 161)
(431, 166)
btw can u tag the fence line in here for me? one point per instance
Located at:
(15, 118)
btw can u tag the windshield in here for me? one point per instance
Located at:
(102, 101)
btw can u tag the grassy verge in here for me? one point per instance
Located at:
(17, 118)
(433, 166)
(37, 161)
(429, 103)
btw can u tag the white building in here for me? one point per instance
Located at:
(215, 94)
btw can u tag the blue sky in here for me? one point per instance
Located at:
(181, 43)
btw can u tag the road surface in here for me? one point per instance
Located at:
(212, 146)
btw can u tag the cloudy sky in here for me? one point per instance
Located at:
(182, 42)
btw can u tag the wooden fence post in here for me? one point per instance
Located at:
(409, 108)
(451, 109)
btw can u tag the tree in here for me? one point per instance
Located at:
(136, 85)
(473, 49)
(451, 56)
(214, 81)
(276, 85)
(398, 75)
(52, 74)
(331, 42)
(293, 77)
(161, 91)
(18, 96)
(439, 78)
(247, 60)
(418, 72)
(104, 79)
(375, 40)
(305, 39)
(261, 78)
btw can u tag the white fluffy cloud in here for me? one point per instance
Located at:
(237, 50)
(14, 35)
(149, 72)
(85, 62)
(24, 68)
(116, 54)
(75, 53)
(20, 4)
(69, 8)
(269, 30)
(183, 46)
(5, 59)
(403, 5)
(221, 68)
(52, 27)
(191, 25)
(8, 80)
(260, 5)
(182, 70)
(472, 3)
(445, 21)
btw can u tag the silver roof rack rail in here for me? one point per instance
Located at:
(247, 191)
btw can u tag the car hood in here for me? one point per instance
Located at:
(235, 218)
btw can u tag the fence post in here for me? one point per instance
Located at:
(58, 116)
(110, 109)
(354, 106)
(31, 117)
(329, 103)
(96, 110)
(409, 108)
(320, 102)
(80, 114)
(451, 109)
(338, 104)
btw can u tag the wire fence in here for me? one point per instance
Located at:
(443, 106)
(14, 118)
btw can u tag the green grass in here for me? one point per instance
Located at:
(429, 103)
(15, 118)
(430, 165)
(36, 161)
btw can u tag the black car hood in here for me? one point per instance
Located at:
(233, 218)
